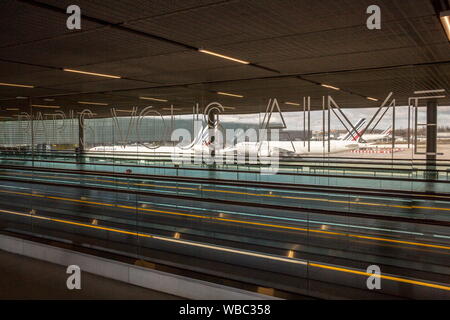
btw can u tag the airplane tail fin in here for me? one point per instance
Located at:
(354, 136)
(199, 140)
(387, 132)
(203, 138)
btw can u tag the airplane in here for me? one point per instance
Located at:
(376, 137)
(199, 145)
(367, 137)
(293, 148)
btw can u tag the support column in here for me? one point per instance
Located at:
(212, 138)
(80, 134)
(409, 127)
(31, 127)
(80, 150)
(431, 138)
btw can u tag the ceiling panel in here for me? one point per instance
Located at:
(87, 48)
(21, 23)
(119, 11)
(323, 41)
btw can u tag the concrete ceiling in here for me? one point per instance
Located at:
(293, 45)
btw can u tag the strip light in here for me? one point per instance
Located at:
(223, 56)
(445, 20)
(292, 103)
(12, 109)
(230, 94)
(429, 91)
(93, 73)
(330, 87)
(373, 99)
(93, 113)
(45, 107)
(153, 99)
(94, 103)
(15, 85)
(174, 109)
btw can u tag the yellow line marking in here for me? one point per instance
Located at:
(420, 244)
(398, 279)
(338, 234)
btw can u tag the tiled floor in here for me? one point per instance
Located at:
(26, 278)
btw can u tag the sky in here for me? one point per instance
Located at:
(294, 120)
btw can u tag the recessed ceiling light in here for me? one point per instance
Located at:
(445, 20)
(15, 85)
(429, 91)
(93, 103)
(292, 103)
(93, 73)
(43, 106)
(330, 87)
(91, 113)
(49, 99)
(229, 94)
(223, 56)
(153, 99)
(51, 114)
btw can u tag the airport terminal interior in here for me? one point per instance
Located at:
(256, 148)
